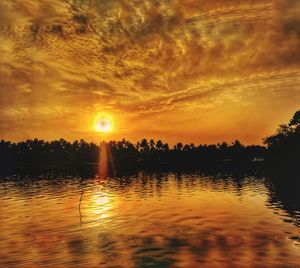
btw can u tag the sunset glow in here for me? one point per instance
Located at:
(103, 124)
(195, 71)
(150, 133)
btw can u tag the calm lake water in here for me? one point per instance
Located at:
(165, 220)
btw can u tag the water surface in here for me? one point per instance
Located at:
(158, 220)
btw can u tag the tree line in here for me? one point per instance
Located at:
(282, 148)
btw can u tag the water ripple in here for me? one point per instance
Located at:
(160, 220)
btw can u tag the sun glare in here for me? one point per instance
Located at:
(103, 123)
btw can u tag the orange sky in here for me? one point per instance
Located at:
(194, 71)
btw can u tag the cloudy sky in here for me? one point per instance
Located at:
(199, 71)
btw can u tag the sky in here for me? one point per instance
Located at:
(199, 71)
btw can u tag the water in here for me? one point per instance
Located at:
(165, 220)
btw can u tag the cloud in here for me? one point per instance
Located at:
(146, 57)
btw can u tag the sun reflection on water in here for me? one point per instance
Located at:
(146, 221)
(101, 205)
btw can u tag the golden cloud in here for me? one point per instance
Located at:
(139, 58)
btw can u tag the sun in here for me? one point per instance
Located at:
(103, 123)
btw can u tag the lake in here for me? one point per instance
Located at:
(149, 220)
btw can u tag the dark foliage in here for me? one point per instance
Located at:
(284, 145)
(283, 149)
(126, 155)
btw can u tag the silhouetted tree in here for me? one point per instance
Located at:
(284, 145)
(295, 121)
(283, 150)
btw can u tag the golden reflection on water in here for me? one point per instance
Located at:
(145, 221)
(103, 161)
